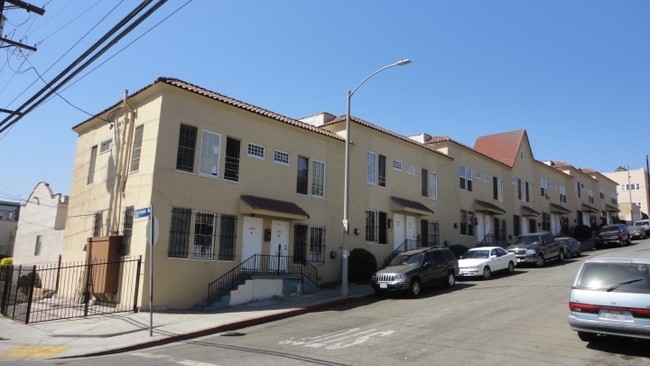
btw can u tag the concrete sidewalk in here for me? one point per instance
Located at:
(112, 333)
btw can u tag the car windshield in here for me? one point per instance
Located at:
(527, 240)
(622, 277)
(477, 254)
(407, 260)
(641, 223)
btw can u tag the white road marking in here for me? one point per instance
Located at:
(172, 359)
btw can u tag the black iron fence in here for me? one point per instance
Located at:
(61, 291)
(260, 264)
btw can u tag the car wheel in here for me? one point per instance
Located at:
(511, 268)
(561, 256)
(450, 280)
(579, 253)
(540, 260)
(586, 337)
(415, 288)
(568, 255)
(487, 273)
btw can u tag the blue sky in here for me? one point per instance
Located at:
(574, 74)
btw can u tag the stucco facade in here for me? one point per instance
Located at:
(227, 180)
(633, 192)
(39, 236)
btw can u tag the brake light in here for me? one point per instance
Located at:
(640, 313)
(583, 308)
(588, 308)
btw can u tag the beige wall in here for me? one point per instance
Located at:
(182, 282)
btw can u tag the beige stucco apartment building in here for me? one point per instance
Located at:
(227, 180)
(633, 189)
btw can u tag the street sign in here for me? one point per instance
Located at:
(143, 212)
(152, 233)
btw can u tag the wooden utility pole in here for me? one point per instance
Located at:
(22, 5)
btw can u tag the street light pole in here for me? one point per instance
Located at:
(346, 188)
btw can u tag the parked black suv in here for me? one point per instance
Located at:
(415, 269)
(536, 248)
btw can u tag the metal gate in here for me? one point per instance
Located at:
(61, 291)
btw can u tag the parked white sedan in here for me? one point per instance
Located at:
(483, 261)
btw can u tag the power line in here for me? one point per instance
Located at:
(73, 69)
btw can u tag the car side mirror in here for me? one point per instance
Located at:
(427, 264)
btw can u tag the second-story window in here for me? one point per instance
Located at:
(137, 149)
(231, 170)
(465, 178)
(91, 165)
(318, 179)
(302, 175)
(256, 151)
(186, 147)
(562, 190)
(210, 148)
(376, 169)
(497, 189)
(429, 184)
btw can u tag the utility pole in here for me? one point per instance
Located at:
(22, 5)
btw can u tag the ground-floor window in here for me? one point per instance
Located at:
(317, 245)
(376, 227)
(299, 243)
(204, 233)
(179, 233)
(227, 237)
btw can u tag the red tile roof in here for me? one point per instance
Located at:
(502, 147)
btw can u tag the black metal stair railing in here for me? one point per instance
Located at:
(406, 245)
(260, 264)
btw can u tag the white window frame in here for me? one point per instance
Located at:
(256, 151)
(410, 169)
(372, 168)
(106, 146)
(318, 178)
(281, 157)
(397, 165)
(374, 229)
(317, 245)
(432, 185)
(210, 154)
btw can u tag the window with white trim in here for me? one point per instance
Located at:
(318, 179)
(256, 151)
(465, 178)
(210, 147)
(281, 157)
(105, 146)
(204, 234)
(397, 165)
(410, 169)
(429, 184)
(317, 245)
(371, 175)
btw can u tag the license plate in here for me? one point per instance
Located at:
(613, 315)
(383, 285)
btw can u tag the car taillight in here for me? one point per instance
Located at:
(588, 308)
(640, 313)
(583, 308)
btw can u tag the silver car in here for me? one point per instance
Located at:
(611, 296)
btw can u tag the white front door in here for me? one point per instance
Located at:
(251, 237)
(481, 229)
(279, 245)
(411, 232)
(399, 234)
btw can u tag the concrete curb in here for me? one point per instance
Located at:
(225, 327)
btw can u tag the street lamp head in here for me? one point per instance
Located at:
(403, 62)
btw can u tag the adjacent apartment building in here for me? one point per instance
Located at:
(633, 189)
(226, 180)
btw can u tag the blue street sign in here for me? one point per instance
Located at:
(143, 212)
